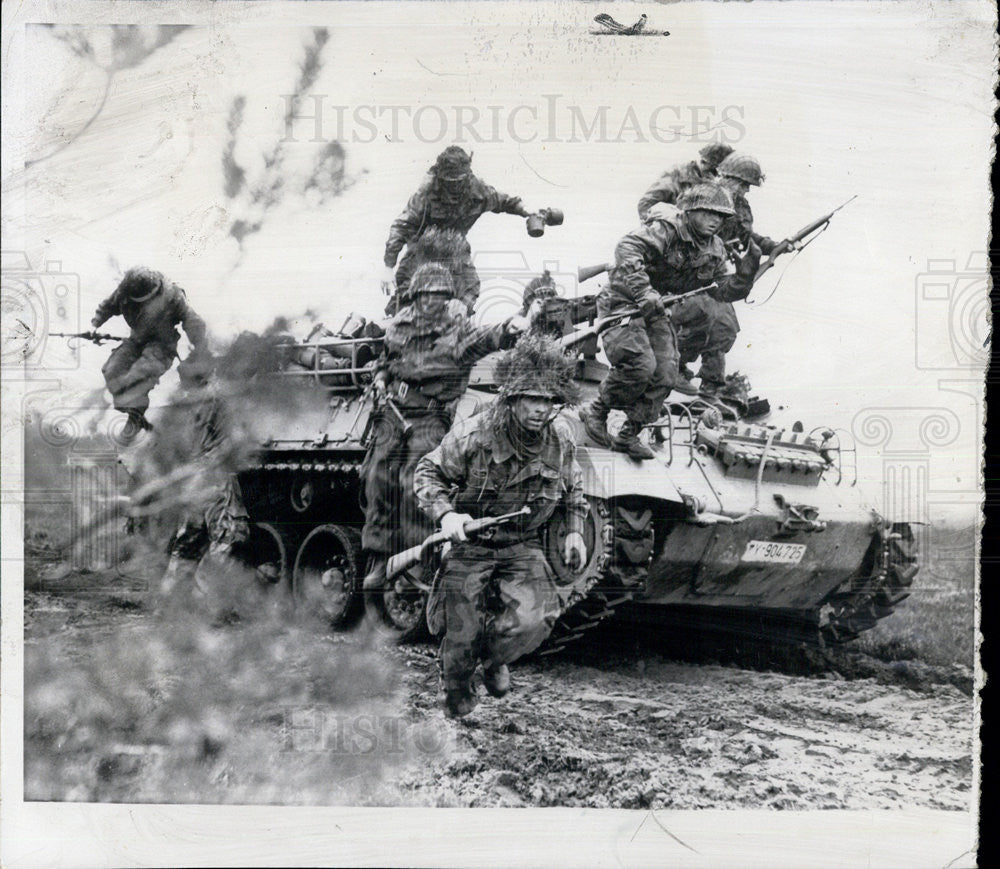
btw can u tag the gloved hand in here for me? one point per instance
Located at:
(652, 308)
(453, 524)
(379, 386)
(388, 280)
(96, 322)
(747, 264)
(575, 551)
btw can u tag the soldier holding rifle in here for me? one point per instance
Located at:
(429, 350)
(153, 307)
(671, 254)
(496, 598)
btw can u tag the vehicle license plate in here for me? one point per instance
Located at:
(774, 553)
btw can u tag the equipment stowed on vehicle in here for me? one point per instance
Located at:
(741, 529)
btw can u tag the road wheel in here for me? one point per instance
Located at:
(399, 611)
(266, 552)
(326, 578)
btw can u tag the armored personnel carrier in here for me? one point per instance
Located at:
(734, 526)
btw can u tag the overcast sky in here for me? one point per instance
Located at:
(888, 101)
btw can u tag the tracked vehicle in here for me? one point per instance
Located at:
(734, 527)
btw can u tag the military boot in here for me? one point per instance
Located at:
(627, 441)
(459, 702)
(710, 388)
(595, 420)
(496, 679)
(375, 579)
(684, 385)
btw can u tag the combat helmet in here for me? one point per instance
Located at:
(141, 283)
(542, 287)
(744, 167)
(452, 164)
(715, 153)
(432, 278)
(707, 197)
(537, 366)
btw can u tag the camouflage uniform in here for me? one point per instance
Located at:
(496, 599)
(672, 183)
(220, 522)
(431, 206)
(427, 369)
(660, 258)
(138, 363)
(712, 324)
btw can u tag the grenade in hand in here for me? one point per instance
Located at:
(540, 219)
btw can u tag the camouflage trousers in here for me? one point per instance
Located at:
(204, 541)
(644, 363)
(393, 518)
(494, 605)
(133, 369)
(706, 328)
(463, 273)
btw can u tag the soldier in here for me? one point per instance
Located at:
(429, 350)
(451, 197)
(672, 183)
(153, 308)
(496, 598)
(672, 254)
(219, 522)
(712, 324)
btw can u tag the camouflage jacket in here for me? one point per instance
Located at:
(433, 362)
(664, 258)
(428, 208)
(739, 227)
(155, 320)
(477, 470)
(672, 184)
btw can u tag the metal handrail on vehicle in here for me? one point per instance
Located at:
(353, 371)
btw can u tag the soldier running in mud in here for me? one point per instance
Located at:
(153, 307)
(429, 350)
(671, 254)
(218, 524)
(450, 198)
(496, 598)
(672, 183)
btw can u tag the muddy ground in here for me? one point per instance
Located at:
(126, 704)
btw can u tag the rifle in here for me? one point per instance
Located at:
(786, 245)
(408, 557)
(97, 337)
(585, 273)
(619, 316)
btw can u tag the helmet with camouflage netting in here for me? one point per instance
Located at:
(452, 164)
(141, 283)
(707, 197)
(744, 167)
(714, 153)
(537, 366)
(432, 278)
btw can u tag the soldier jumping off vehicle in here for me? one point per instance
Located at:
(450, 198)
(429, 350)
(711, 324)
(153, 307)
(672, 183)
(671, 254)
(496, 598)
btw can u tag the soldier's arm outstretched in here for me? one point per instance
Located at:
(193, 325)
(501, 203)
(110, 307)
